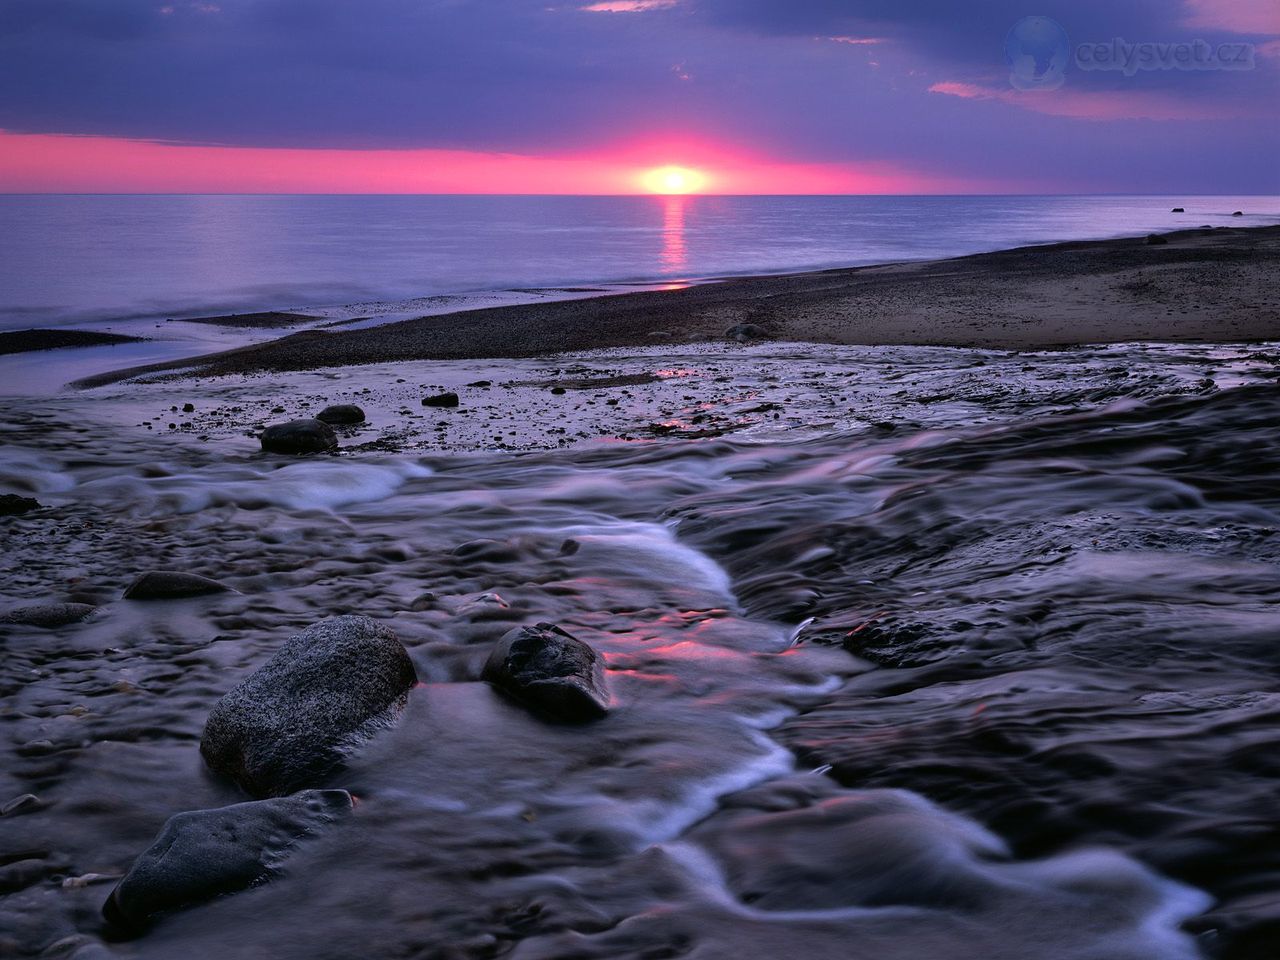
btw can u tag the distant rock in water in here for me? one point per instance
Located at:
(204, 854)
(1238, 213)
(1178, 210)
(449, 399)
(11, 504)
(287, 725)
(341, 413)
(48, 614)
(743, 332)
(299, 436)
(172, 585)
(25, 341)
(548, 669)
(1154, 239)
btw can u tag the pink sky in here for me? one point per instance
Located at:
(33, 163)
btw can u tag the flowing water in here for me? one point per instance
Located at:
(993, 676)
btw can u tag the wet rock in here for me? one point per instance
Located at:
(743, 332)
(21, 804)
(12, 505)
(172, 585)
(48, 614)
(547, 668)
(288, 724)
(1238, 213)
(188, 408)
(1178, 210)
(204, 854)
(341, 413)
(1154, 239)
(299, 436)
(441, 400)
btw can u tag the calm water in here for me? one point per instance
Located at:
(78, 259)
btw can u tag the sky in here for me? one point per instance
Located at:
(591, 96)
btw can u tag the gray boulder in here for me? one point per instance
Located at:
(287, 725)
(342, 413)
(204, 854)
(299, 436)
(172, 585)
(743, 332)
(550, 670)
(48, 614)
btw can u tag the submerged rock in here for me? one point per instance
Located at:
(743, 332)
(299, 436)
(204, 854)
(342, 413)
(11, 504)
(172, 585)
(547, 668)
(48, 614)
(287, 725)
(441, 400)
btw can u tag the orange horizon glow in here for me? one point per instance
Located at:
(54, 163)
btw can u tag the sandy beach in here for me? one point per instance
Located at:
(1199, 286)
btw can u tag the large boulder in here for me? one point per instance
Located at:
(288, 724)
(172, 585)
(341, 413)
(204, 854)
(299, 436)
(550, 670)
(48, 614)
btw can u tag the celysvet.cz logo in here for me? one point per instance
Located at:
(1039, 51)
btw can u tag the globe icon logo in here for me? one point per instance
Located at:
(1037, 50)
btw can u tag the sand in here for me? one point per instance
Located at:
(1209, 285)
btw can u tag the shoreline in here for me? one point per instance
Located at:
(1201, 285)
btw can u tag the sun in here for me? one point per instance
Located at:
(672, 180)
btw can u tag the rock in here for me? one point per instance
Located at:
(1238, 213)
(1154, 239)
(204, 854)
(48, 614)
(344, 413)
(743, 332)
(1178, 210)
(172, 585)
(11, 504)
(558, 391)
(287, 725)
(441, 400)
(546, 668)
(26, 801)
(299, 436)
(188, 408)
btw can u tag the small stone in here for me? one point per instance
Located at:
(11, 504)
(204, 854)
(558, 391)
(342, 413)
(188, 408)
(449, 399)
(172, 585)
(551, 670)
(299, 436)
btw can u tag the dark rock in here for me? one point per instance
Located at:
(48, 614)
(743, 332)
(1154, 239)
(547, 668)
(204, 854)
(1178, 210)
(288, 724)
(188, 408)
(341, 413)
(441, 400)
(299, 436)
(558, 391)
(172, 585)
(1238, 213)
(11, 504)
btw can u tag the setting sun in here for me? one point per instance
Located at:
(674, 180)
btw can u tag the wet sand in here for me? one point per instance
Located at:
(1209, 285)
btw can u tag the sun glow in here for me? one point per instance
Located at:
(673, 180)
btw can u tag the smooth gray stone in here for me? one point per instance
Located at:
(204, 854)
(288, 725)
(48, 614)
(172, 585)
(299, 436)
(550, 670)
(344, 413)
